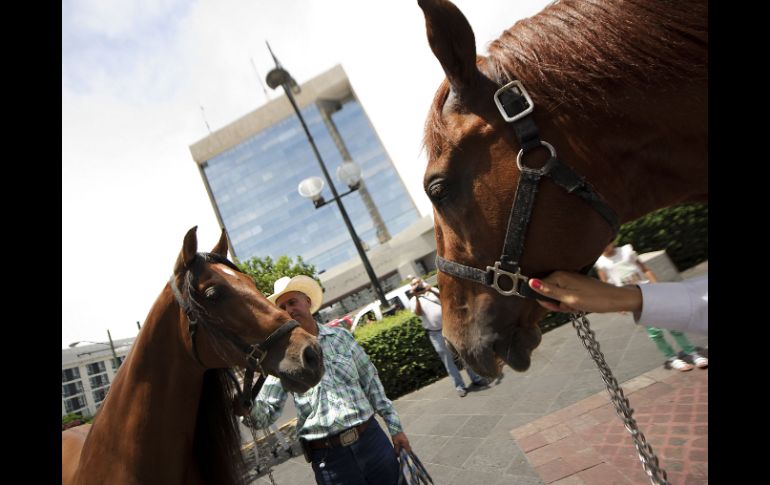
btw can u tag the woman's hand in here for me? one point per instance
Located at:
(576, 292)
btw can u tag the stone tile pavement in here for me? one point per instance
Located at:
(555, 423)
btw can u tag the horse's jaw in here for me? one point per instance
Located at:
(516, 351)
(484, 332)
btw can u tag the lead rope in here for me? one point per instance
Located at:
(656, 474)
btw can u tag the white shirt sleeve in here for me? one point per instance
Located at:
(681, 305)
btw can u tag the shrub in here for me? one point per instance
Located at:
(681, 230)
(71, 420)
(402, 353)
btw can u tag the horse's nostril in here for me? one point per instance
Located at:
(311, 357)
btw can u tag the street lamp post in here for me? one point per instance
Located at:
(281, 77)
(111, 345)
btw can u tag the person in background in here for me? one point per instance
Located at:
(425, 302)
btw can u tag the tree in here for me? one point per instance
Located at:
(264, 271)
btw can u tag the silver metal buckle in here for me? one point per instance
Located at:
(517, 84)
(349, 437)
(517, 278)
(258, 358)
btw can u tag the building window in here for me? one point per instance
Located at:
(99, 381)
(96, 368)
(70, 374)
(71, 389)
(74, 404)
(99, 395)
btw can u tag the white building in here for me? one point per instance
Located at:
(86, 374)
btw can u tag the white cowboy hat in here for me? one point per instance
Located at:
(304, 284)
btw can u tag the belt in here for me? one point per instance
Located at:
(345, 438)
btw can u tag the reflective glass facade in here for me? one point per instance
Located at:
(254, 185)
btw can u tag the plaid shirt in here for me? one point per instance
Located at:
(349, 392)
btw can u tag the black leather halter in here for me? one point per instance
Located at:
(255, 354)
(515, 105)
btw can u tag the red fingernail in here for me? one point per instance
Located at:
(536, 284)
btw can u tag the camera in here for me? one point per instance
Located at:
(419, 289)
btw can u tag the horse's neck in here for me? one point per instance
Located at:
(651, 157)
(147, 422)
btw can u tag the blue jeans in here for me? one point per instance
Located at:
(446, 357)
(369, 461)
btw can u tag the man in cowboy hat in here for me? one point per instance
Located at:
(335, 419)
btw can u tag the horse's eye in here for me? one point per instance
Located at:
(211, 293)
(437, 191)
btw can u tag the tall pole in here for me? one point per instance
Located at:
(284, 80)
(114, 355)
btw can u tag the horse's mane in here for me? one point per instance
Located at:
(576, 51)
(217, 439)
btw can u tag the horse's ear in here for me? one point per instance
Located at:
(189, 249)
(452, 41)
(221, 247)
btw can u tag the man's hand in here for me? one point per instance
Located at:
(401, 441)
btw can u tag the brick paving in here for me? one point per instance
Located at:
(587, 443)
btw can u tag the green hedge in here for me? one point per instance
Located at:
(681, 230)
(402, 353)
(71, 420)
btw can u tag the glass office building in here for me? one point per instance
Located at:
(253, 166)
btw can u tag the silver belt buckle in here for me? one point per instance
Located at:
(349, 437)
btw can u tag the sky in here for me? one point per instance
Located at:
(138, 78)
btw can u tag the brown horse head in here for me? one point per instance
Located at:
(619, 91)
(230, 315)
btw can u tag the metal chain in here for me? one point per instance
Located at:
(656, 474)
(249, 424)
(256, 454)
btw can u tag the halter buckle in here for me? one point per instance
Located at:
(258, 359)
(520, 91)
(516, 278)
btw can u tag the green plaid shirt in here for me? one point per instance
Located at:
(349, 392)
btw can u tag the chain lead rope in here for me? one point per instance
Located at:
(656, 474)
(256, 454)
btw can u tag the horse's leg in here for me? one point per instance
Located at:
(72, 441)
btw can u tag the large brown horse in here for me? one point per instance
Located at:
(168, 416)
(619, 91)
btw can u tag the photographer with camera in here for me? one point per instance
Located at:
(425, 302)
